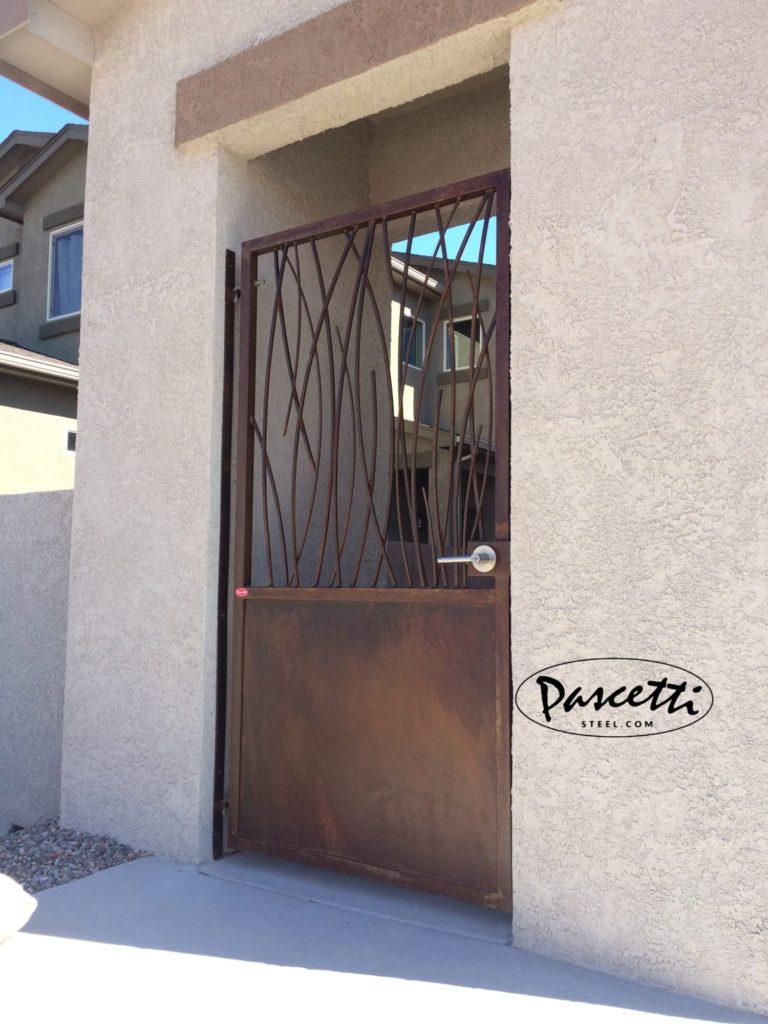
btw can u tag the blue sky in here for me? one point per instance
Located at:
(425, 245)
(20, 108)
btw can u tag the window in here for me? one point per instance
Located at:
(71, 442)
(458, 342)
(65, 271)
(6, 275)
(414, 334)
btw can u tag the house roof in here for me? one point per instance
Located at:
(46, 160)
(415, 277)
(22, 362)
(19, 148)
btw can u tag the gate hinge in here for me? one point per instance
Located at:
(221, 805)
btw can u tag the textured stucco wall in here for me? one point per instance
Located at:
(21, 322)
(639, 504)
(138, 730)
(34, 562)
(34, 420)
(460, 133)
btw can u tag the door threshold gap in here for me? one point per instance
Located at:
(362, 896)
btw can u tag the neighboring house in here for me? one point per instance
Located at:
(371, 725)
(38, 421)
(42, 189)
(442, 332)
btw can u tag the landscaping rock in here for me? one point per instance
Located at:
(45, 855)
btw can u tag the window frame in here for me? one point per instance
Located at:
(446, 340)
(65, 229)
(8, 262)
(415, 320)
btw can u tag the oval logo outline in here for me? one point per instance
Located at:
(606, 735)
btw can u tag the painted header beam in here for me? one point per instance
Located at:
(343, 51)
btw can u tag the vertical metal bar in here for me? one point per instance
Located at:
(398, 428)
(222, 639)
(502, 511)
(501, 391)
(242, 504)
(369, 476)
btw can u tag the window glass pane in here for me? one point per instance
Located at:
(459, 341)
(6, 276)
(413, 342)
(462, 334)
(67, 272)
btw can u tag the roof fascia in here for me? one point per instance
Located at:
(10, 208)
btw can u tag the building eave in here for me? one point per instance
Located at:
(23, 363)
(48, 47)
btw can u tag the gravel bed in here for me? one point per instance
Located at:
(44, 855)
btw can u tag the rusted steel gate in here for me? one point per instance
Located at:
(370, 657)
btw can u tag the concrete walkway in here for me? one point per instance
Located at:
(251, 939)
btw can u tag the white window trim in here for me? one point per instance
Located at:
(423, 322)
(446, 339)
(8, 263)
(63, 230)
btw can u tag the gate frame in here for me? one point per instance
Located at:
(242, 465)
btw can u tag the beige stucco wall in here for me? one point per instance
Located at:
(638, 454)
(34, 556)
(34, 420)
(461, 133)
(639, 500)
(138, 729)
